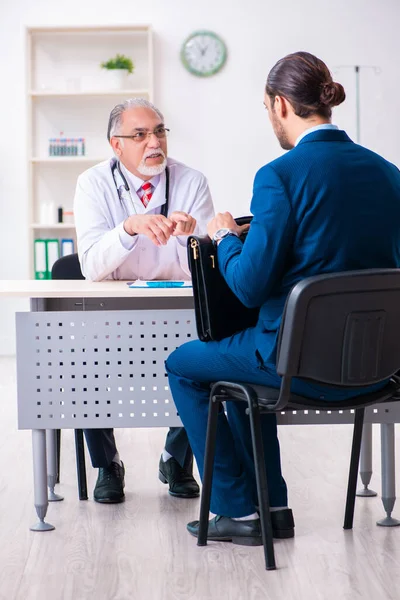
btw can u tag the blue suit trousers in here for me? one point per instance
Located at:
(191, 368)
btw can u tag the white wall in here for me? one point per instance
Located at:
(218, 125)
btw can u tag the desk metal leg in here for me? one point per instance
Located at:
(58, 437)
(388, 474)
(39, 479)
(51, 442)
(366, 461)
(80, 464)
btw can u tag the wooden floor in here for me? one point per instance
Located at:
(140, 550)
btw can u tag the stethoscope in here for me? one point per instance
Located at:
(117, 172)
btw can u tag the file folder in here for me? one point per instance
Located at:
(160, 283)
(67, 247)
(53, 254)
(40, 259)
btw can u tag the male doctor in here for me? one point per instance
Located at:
(133, 214)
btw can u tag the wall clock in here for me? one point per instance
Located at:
(203, 53)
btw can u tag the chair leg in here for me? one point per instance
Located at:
(262, 486)
(58, 443)
(208, 470)
(80, 464)
(353, 471)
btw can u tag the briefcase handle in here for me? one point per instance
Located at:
(243, 220)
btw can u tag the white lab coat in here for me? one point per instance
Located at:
(106, 251)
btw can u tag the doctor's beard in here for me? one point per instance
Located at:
(151, 171)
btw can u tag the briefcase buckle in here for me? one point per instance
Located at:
(195, 245)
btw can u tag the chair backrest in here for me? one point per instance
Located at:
(342, 328)
(67, 267)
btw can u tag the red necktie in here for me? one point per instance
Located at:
(147, 193)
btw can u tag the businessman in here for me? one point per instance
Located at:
(133, 214)
(327, 205)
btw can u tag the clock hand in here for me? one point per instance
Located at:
(203, 49)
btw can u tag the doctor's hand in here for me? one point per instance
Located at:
(184, 223)
(225, 221)
(156, 227)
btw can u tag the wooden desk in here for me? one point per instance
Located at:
(60, 288)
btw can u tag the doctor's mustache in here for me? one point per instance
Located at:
(153, 152)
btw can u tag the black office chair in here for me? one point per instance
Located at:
(68, 267)
(342, 330)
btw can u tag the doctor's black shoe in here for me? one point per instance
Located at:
(224, 529)
(110, 484)
(181, 482)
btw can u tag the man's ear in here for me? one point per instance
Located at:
(281, 107)
(116, 145)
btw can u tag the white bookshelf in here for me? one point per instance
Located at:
(68, 92)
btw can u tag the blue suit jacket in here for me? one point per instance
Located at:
(327, 205)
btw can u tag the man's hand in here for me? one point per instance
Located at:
(222, 221)
(156, 227)
(184, 223)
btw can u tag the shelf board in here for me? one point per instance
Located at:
(66, 159)
(53, 226)
(88, 93)
(90, 29)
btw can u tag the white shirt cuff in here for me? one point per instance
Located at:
(182, 240)
(127, 241)
(181, 247)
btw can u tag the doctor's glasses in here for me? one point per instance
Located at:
(142, 135)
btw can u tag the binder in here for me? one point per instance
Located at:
(52, 254)
(67, 246)
(40, 259)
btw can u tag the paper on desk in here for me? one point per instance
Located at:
(159, 283)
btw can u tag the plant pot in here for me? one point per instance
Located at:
(116, 78)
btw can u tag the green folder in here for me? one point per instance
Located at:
(52, 254)
(40, 259)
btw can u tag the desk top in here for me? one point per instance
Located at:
(61, 288)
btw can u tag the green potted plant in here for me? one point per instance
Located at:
(118, 68)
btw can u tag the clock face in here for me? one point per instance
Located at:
(203, 53)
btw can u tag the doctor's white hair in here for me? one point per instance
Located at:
(115, 120)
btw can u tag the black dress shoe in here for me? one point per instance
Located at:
(110, 484)
(224, 529)
(181, 482)
(246, 533)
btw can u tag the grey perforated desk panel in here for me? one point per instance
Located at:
(98, 368)
(92, 355)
